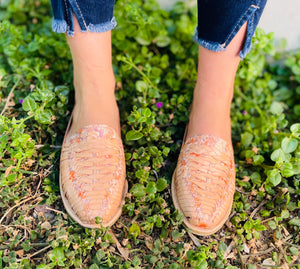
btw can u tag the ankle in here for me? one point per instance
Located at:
(99, 83)
(96, 112)
(221, 95)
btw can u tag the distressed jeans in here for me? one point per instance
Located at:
(218, 20)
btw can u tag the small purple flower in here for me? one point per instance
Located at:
(159, 105)
(244, 112)
(21, 101)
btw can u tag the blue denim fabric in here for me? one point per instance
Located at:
(218, 20)
(92, 15)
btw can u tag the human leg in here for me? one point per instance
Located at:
(92, 167)
(94, 80)
(224, 33)
(203, 182)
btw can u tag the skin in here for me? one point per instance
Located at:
(94, 80)
(94, 84)
(210, 113)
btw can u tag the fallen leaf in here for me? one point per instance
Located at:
(268, 261)
(246, 248)
(123, 251)
(149, 244)
(20, 253)
(46, 225)
(7, 171)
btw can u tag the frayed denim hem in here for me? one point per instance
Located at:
(210, 45)
(248, 16)
(245, 51)
(61, 26)
(102, 27)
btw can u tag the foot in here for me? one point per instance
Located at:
(92, 176)
(92, 165)
(95, 104)
(203, 183)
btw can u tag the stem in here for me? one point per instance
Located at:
(27, 118)
(286, 135)
(239, 92)
(19, 170)
(10, 95)
(124, 60)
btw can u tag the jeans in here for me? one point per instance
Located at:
(218, 20)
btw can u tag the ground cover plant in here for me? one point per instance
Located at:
(155, 66)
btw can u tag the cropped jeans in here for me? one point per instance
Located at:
(218, 20)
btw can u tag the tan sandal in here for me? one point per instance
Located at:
(203, 183)
(92, 175)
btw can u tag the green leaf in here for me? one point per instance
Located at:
(57, 256)
(272, 224)
(133, 135)
(222, 246)
(202, 265)
(258, 159)
(151, 187)
(294, 251)
(43, 117)
(248, 226)
(138, 190)
(278, 156)
(276, 108)
(143, 38)
(274, 177)
(151, 259)
(285, 214)
(141, 86)
(295, 128)
(47, 95)
(162, 41)
(246, 139)
(135, 230)
(289, 145)
(24, 138)
(136, 261)
(146, 112)
(157, 244)
(287, 170)
(176, 235)
(295, 222)
(256, 178)
(29, 104)
(161, 184)
(260, 227)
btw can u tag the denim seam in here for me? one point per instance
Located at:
(237, 24)
(247, 44)
(66, 6)
(83, 20)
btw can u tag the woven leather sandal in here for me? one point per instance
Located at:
(92, 175)
(203, 183)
